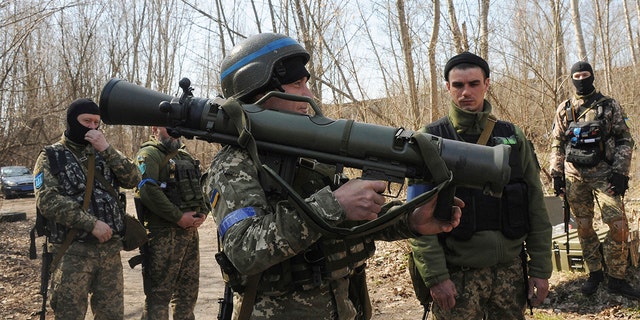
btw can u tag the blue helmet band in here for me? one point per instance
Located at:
(275, 45)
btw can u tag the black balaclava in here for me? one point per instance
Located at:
(584, 86)
(76, 131)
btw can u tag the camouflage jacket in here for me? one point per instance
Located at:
(276, 232)
(167, 193)
(490, 247)
(618, 143)
(60, 197)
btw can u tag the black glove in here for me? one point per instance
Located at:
(558, 185)
(619, 184)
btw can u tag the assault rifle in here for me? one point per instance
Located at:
(381, 152)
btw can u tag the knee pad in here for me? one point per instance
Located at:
(619, 230)
(585, 227)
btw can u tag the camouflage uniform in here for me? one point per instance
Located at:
(171, 267)
(276, 241)
(486, 268)
(584, 184)
(87, 266)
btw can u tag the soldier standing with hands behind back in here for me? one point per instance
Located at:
(590, 159)
(173, 209)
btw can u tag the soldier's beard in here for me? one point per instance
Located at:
(171, 144)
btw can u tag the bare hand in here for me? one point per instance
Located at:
(361, 199)
(423, 222)
(444, 294)
(97, 140)
(102, 231)
(538, 291)
(191, 219)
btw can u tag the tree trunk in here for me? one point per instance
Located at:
(408, 60)
(433, 92)
(627, 22)
(484, 29)
(577, 24)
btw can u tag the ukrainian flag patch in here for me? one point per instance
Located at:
(214, 198)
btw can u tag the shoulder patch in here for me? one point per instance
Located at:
(142, 167)
(38, 179)
(215, 195)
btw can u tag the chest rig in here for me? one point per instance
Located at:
(508, 214)
(69, 169)
(329, 258)
(585, 133)
(182, 185)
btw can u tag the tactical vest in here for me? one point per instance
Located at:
(509, 214)
(183, 183)
(72, 183)
(584, 138)
(327, 259)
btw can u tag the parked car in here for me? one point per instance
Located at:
(16, 181)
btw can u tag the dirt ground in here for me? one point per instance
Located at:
(389, 284)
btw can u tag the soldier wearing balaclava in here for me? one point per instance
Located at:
(584, 86)
(590, 160)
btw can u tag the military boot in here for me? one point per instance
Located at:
(591, 285)
(622, 287)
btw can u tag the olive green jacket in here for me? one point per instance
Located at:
(489, 248)
(162, 212)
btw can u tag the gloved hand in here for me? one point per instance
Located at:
(558, 185)
(619, 184)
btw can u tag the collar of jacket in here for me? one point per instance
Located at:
(586, 97)
(77, 148)
(153, 141)
(469, 122)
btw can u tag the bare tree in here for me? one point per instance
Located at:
(484, 29)
(577, 24)
(627, 22)
(408, 61)
(459, 38)
(602, 19)
(433, 96)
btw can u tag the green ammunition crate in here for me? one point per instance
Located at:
(573, 260)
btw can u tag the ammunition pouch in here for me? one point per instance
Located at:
(585, 144)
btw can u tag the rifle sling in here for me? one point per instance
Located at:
(85, 205)
(236, 113)
(488, 128)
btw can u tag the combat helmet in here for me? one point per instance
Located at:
(249, 67)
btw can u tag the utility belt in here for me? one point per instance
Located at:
(316, 267)
(585, 147)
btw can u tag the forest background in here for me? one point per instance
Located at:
(374, 61)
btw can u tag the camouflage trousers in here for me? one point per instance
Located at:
(327, 302)
(89, 269)
(171, 273)
(490, 293)
(581, 196)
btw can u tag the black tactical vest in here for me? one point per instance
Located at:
(509, 214)
(585, 139)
